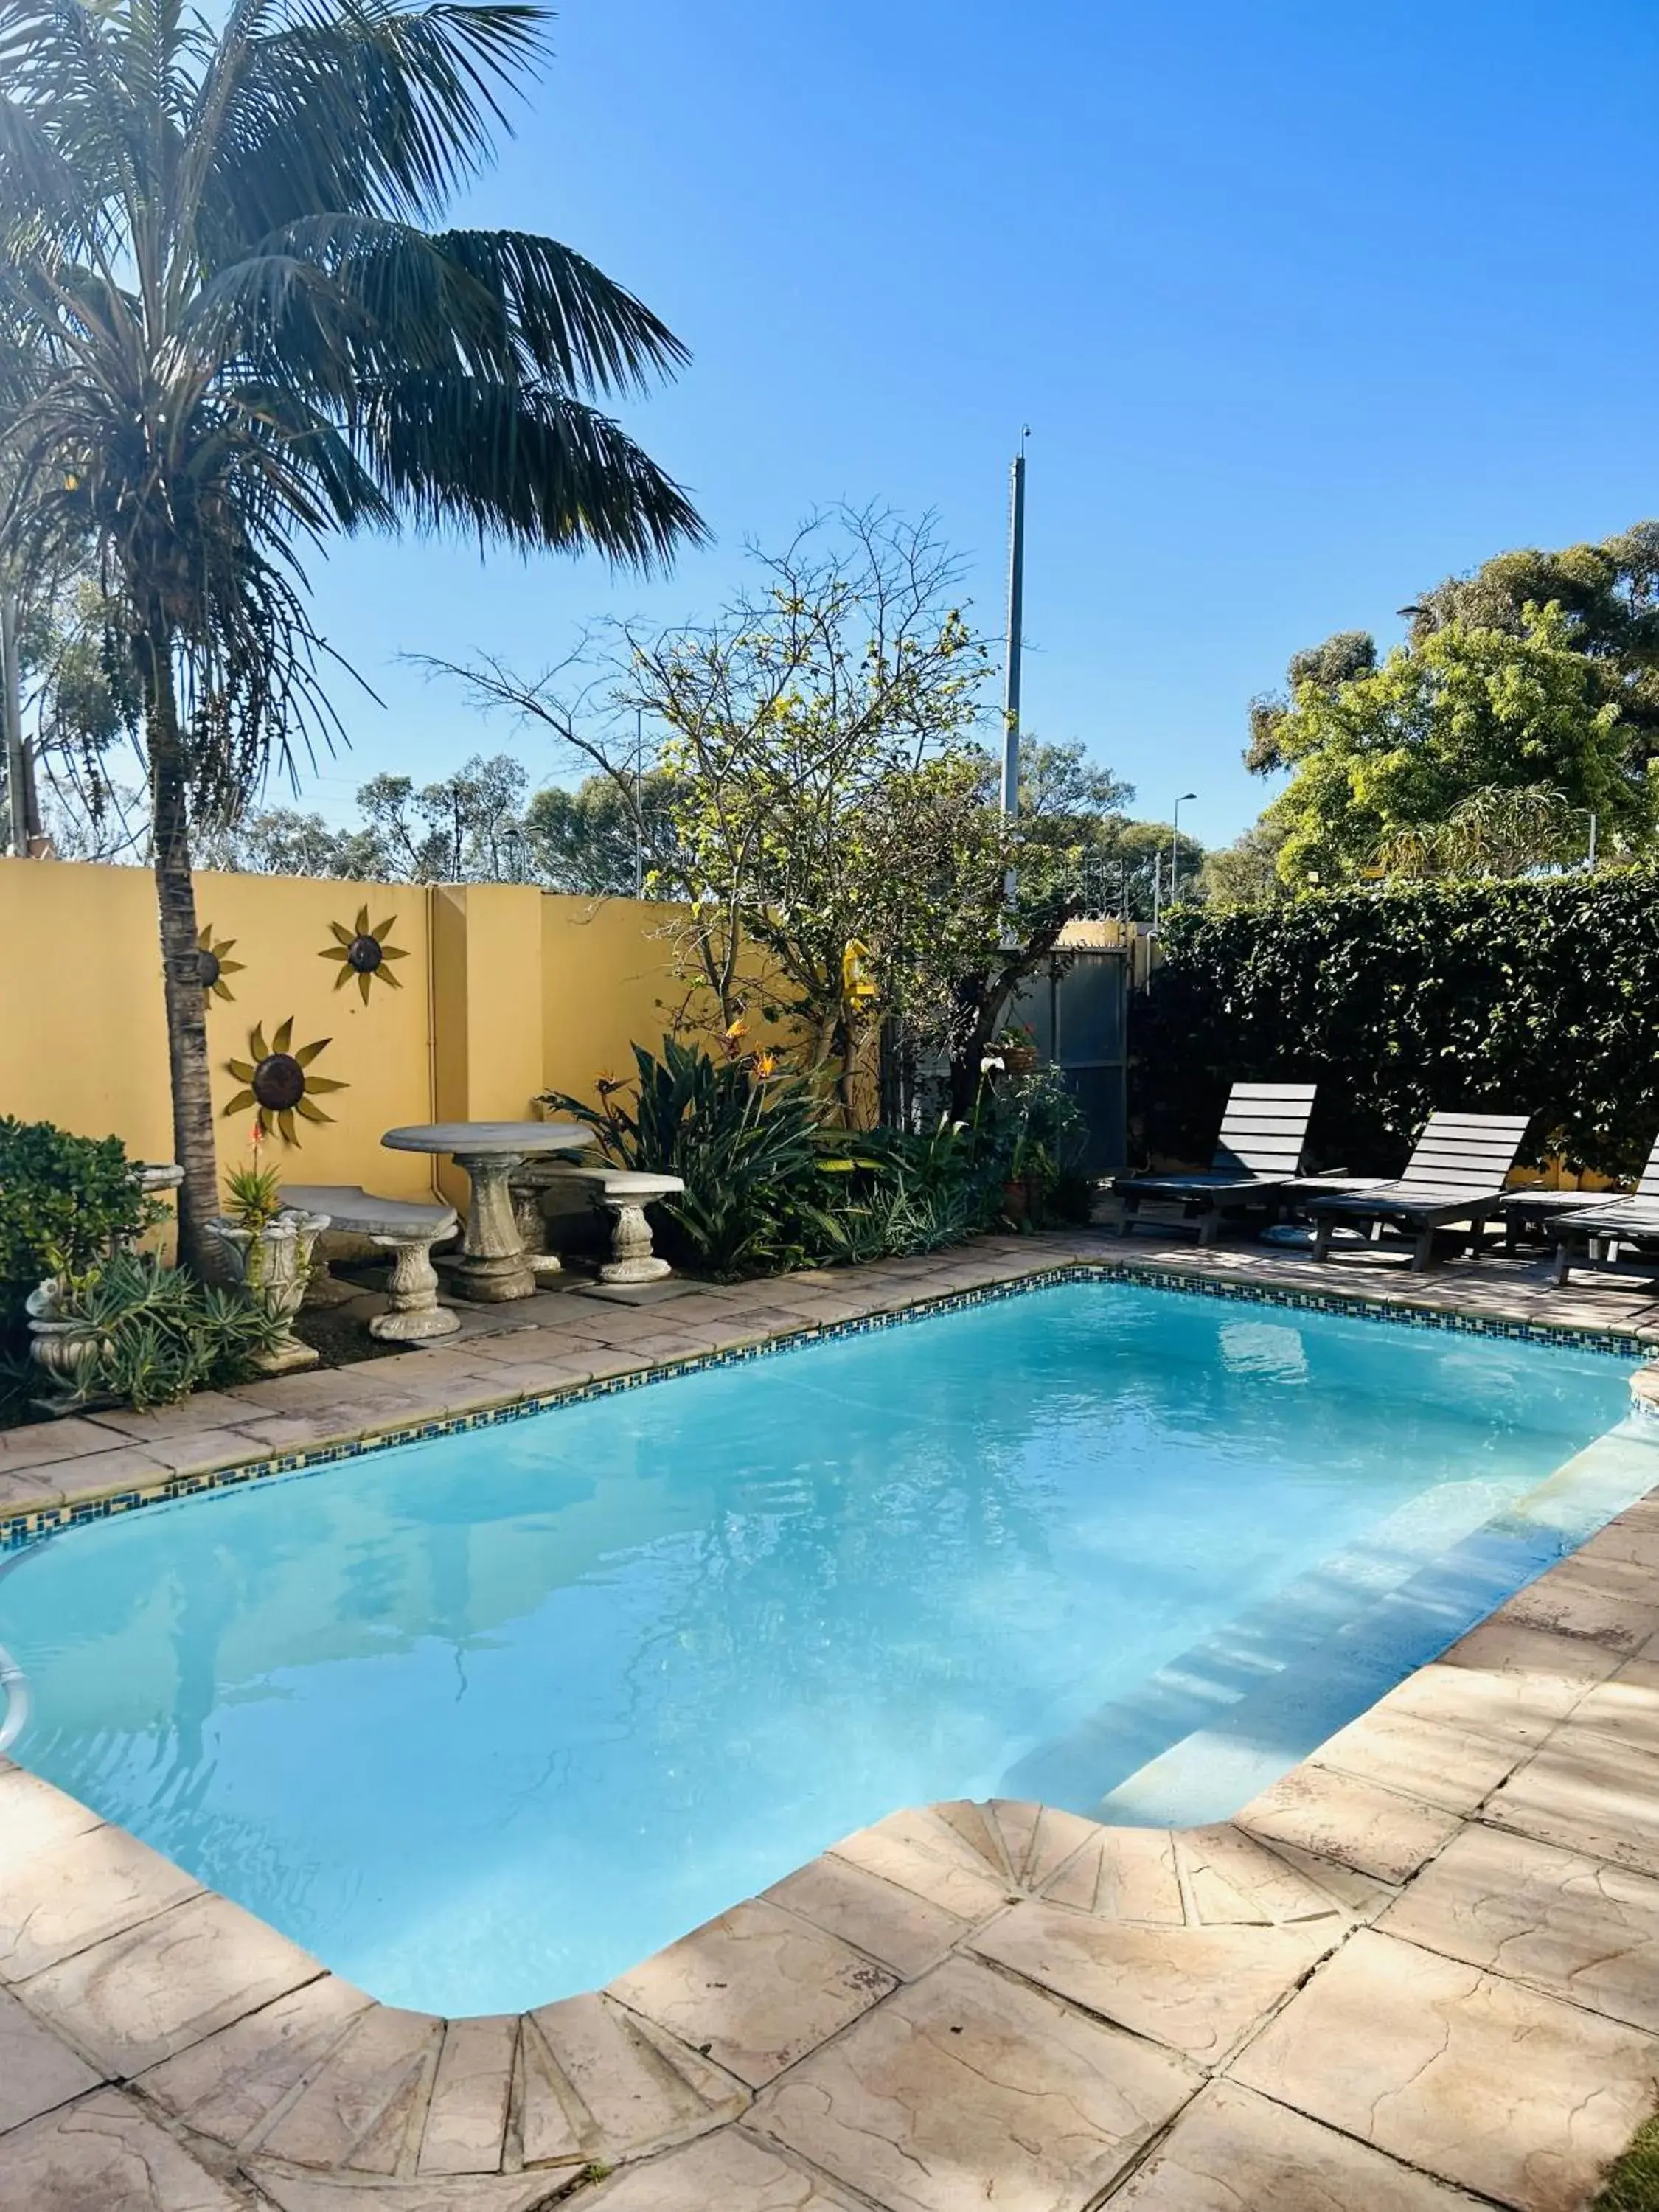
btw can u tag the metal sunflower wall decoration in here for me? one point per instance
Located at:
(211, 965)
(363, 952)
(278, 1081)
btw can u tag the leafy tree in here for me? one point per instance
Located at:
(821, 738)
(466, 828)
(228, 328)
(76, 704)
(1389, 749)
(280, 841)
(1060, 782)
(594, 841)
(1246, 872)
(1608, 595)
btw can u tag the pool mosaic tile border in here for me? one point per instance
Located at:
(29, 1525)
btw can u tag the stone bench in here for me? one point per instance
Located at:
(408, 1229)
(625, 1194)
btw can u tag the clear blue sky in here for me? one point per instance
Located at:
(1308, 302)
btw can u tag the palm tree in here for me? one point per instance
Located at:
(228, 326)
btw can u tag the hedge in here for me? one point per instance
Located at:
(1483, 997)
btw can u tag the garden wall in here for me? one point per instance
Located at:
(1539, 996)
(503, 990)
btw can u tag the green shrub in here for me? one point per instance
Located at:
(63, 1200)
(158, 1334)
(1537, 995)
(768, 1186)
(742, 1146)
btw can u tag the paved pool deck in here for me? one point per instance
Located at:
(1420, 1972)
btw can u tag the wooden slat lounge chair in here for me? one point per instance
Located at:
(1259, 1152)
(1455, 1175)
(1534, 1213)
(1597, 1235)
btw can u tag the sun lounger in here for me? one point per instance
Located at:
(1455, 1176)
(1601, 1235)
(1534, 1213)
(1258, 1154)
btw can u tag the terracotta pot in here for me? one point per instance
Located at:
(1019, 1058)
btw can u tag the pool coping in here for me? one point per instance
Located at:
(1185, 1991)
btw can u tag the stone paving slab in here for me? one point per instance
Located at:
(1575, 1926)
(1586, 1792)
(964, 2005)
(105, 2154)
(970, 2088)
(1233, 2151)
(1201, 1990)
(140, 1996)
(754, 1990)
(1482, 2082)
(1376, 1831)
(229, 2086)
(37, 2072)
(91, 1885)
(729, 2172)
(598, 2084)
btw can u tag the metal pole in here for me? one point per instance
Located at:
(639, 806)
(1174, 842)
(1016, 617)
(11, 714)
(1592, 844)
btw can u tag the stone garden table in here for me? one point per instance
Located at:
(493, 1266)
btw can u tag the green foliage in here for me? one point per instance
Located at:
(253, 1196)
(892, 1194)
(1631, 2184)
(1392, 751)
(769, 1186)
(1607, 592)
(63, 1201)
(1529, 994)
(585, 840)
(158, 1333)
(740, 1143)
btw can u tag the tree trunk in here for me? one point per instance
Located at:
(11, 714)
(193, 1145)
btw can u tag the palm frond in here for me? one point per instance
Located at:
(524, 463)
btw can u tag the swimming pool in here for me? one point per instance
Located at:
(483, 1720)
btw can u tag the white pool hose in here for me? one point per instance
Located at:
(14, 1686)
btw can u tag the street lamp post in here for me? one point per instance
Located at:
(1174, 842)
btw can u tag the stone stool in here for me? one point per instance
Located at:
(407, 1230)
(525, 1185)
(625, 1194)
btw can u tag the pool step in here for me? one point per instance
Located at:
(1217, 1724)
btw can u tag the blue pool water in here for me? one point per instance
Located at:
(483, 1721)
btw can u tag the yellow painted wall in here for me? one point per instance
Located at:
(83, 1039)
(506, 991)
(608, 983)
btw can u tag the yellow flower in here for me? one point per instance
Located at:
(765, 1064)
(739, 1028)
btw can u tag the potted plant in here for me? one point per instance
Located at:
(61, 1340)
(1017, 1049)
(270, 1246)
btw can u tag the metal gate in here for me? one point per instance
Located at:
(1077, 1009)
